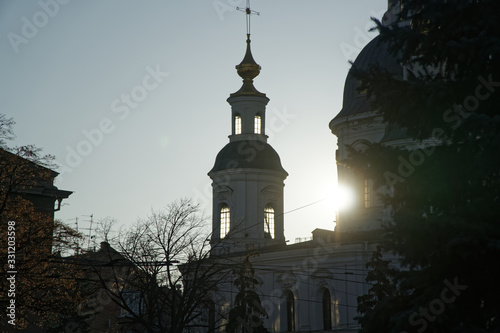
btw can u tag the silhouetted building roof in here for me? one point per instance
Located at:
(248, 154)
(44, 193)
(374, 53)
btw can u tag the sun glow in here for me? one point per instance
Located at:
(338, 198)
(344, 197)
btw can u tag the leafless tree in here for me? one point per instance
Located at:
(44, 292)
(105, 227)
(161, 274)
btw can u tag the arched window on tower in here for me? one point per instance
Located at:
(225, 220)
(257, 124)
(269, 222)
(290, 311)
(327, 310)
(237, 124)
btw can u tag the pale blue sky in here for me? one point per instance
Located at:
(67, 65)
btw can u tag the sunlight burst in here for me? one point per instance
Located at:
(342, 197)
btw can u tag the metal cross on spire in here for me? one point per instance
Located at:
(249, 13)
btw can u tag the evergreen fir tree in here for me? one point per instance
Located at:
(247, 314)
(446, 207)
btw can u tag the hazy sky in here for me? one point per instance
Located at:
(130, 96)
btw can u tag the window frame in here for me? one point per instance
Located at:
(225, 220)
(367, 195)
(237, 124)
(269, 221)
(290, 311)
(326, 305)
(257, 124)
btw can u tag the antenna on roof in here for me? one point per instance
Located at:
(90, 229)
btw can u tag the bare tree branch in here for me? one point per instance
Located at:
(171, 275)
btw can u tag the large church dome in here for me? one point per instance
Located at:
(357, 125)
(374, 53)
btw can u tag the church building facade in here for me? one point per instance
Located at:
(313, 285)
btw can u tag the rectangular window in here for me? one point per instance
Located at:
(225, 221)
(367, 194)
(237, 125)
(290, 311)
(269, 222)
(257, 125)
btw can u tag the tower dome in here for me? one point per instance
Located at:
(247, 154)
(375, 53)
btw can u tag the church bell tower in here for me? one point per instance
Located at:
(247, 177)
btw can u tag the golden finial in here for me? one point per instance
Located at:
(248, 69)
